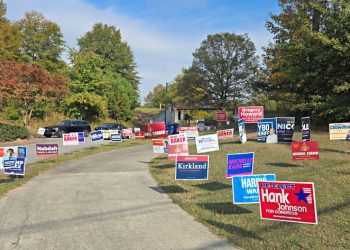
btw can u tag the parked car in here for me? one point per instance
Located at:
(109, 128)
(68, 126)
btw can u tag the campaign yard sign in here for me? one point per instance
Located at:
(81, 137)
(251, 114)
(240, 164)
(288, 201)
(154, 130)
(285, 129)
(116, 137)
(221, 116)
(192, 167)
(177, 139)
(15, 166)
(241, 130)
(339, 131)
(305, 129)
(96, 136)
(177, 149)
(158, 146)
(267, 130)
(70, 139)
(11, 153)
(190, 132)
(207, 143)
(139, 135)
(245, 187)
(225, 134)
(306, 150)
(49, 150)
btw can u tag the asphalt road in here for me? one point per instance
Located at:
(103, 201)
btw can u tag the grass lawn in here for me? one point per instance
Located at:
(8, 183)
(210, 202)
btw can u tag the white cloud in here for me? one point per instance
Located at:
(160, 54)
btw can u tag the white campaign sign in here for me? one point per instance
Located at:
(41, 131)
(177, 139)
(207, 143)
(70, 139)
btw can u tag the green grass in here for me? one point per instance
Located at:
(210, 202)
(8, 183)
(148, 111)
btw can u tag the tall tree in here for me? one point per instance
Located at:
(227, 63)
(156, 97)
(308, 65)
(106, 41)
(29, 86)
(42, 41)
(10, 39)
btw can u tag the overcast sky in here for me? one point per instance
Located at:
(163, 34)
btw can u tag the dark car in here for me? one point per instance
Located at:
(67, 126)
(110, 126)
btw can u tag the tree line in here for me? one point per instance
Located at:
(304, 72)
(100, 80)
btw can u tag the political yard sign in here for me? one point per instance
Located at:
(192, 167)
(81, 137)
(251, 114)
(305, 129)
(154, 130)
(225, 134)
(11, 153)
(240, 164)
(306, 150)
(285, 129)
(158, 146)
(70, 139)
(267, 130)
(96, 136)
(339, 131)
(207, 143)
(177, 149)
(288, 201)
(190, 132)
(221, 116)
(177, 139)
(15, 166)
(245, 187)
(116, 137)
(48, 150)
(241, 131)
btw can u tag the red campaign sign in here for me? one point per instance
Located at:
(225, 134)
(139, 135)
(177, 139)
(251, 114)
(288, 201)
(193, 128)
(157, 142)
(221, 116)
(154, 130)
(306, 150)
(177, 149)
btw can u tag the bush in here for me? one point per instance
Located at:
(11, 133)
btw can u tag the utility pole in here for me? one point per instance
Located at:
(166, 101)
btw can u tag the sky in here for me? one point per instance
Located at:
(163, 34)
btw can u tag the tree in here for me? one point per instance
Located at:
(42, 41)
(29, 86)
(156, 97)
(106, 41)
(227, 63)
(10, 39)
(308, 65)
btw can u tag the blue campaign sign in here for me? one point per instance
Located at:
(14, 166)
(96, 136)
(192, 167)
(267, 129)
(22, 152)
(245, 187)
(116, 137)
(81, 137)
(240, 164)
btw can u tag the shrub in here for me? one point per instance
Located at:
(11, 133)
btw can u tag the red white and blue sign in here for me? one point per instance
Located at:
(96, 136)
(192, 167)
(116, 137)
(240, 164)
(288, 201)
(245, 187)
(14, 166)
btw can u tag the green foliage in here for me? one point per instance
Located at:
(106, 41)
(227, 64)
(308, 66)
(87, 106)
(12, 112)
(11, 133)
(156, 97)
(42, 41)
